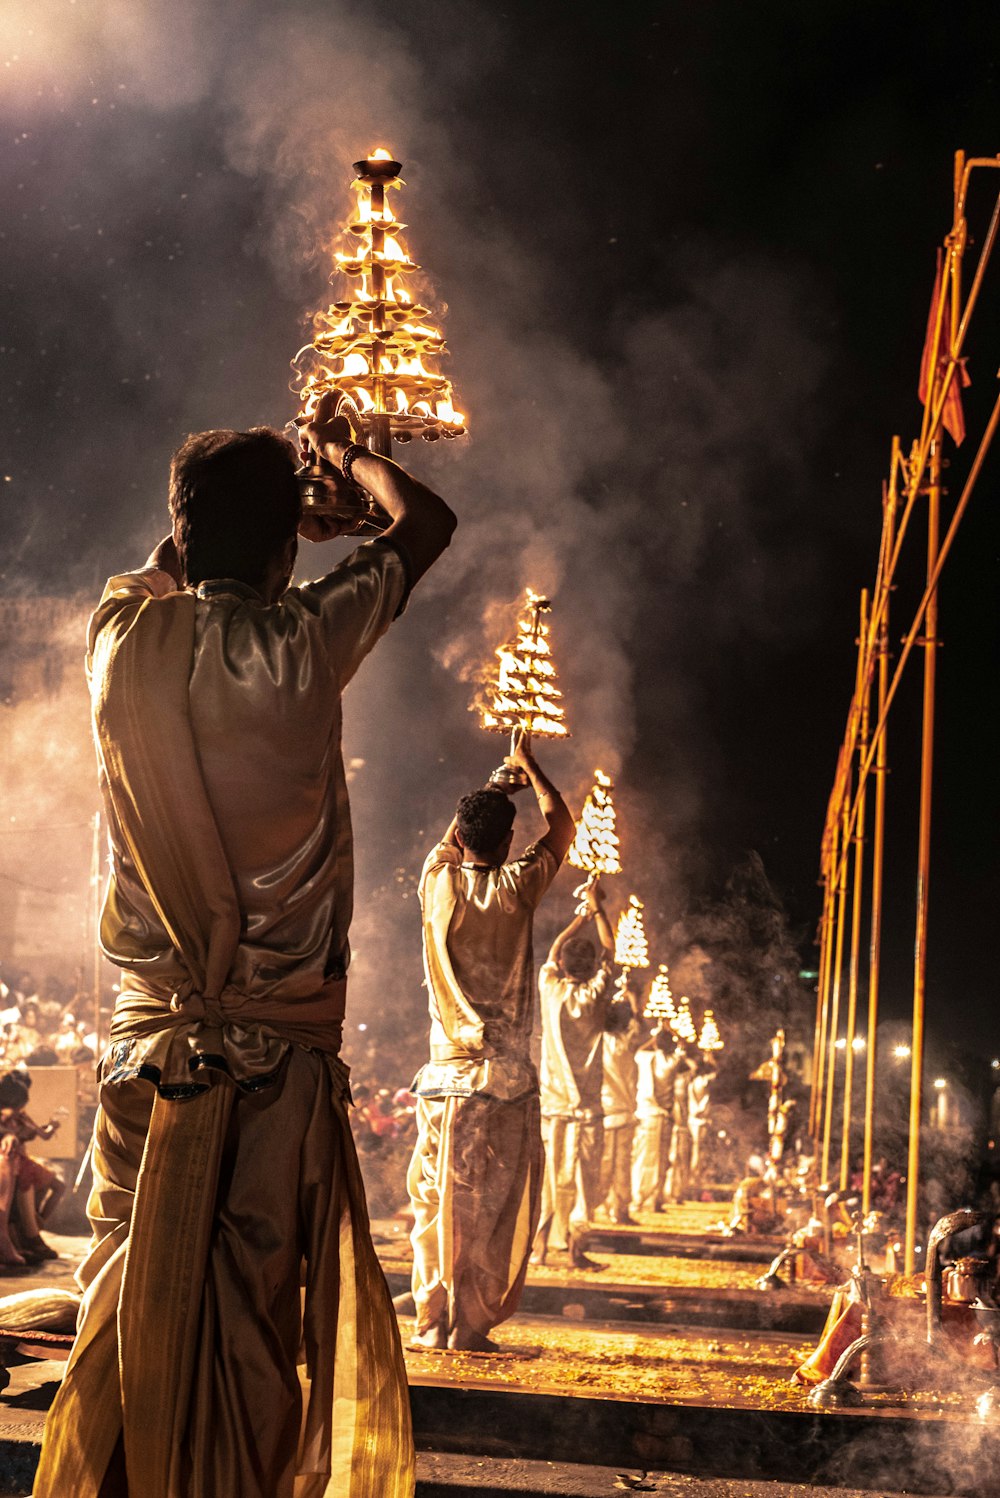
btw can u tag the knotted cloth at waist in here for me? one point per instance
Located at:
(457, 1071)
(173, 1041)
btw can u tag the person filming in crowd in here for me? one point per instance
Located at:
(222, 1156)
(475, 1176)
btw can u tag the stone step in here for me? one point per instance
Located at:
(442, 1476)
(871, 1448)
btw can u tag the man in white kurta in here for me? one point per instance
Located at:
(574, 989)
(475, 1176)
(653, 1114)
(679, 1168)
(699, 1103)
(618, 1102)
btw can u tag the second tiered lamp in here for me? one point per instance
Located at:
(519, 695)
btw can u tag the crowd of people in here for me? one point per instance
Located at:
(43, 1024)
(39, 1026)
(30, 1190)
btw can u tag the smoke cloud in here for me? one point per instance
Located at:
(183, 174)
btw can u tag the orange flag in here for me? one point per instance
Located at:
(952, 418)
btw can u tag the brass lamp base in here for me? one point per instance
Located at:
(508, 778)
(511, 778)
(327, 493)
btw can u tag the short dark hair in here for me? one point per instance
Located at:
(234, 503)
(619, 1016)
(484, 819)
(14, 1090)
(579, 957)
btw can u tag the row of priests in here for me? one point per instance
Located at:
(624, 1113)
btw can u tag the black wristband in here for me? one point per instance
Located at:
(352, 452)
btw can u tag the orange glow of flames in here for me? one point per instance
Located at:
(710, 1039)
(376, 343)
(683, 1026)
(631, 947)
(660, 1003)
(520, 691)
(595, 847)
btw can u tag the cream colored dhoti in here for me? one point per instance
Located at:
(679, 1172)
(649, 1161)
(203, 1212)
(571, 1183)
(616, 1170)
(474, 1183)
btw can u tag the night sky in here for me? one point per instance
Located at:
(687, 252)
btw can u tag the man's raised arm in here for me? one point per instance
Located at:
(564, 936)
(595, 904)
(561, 826)
(422, 523)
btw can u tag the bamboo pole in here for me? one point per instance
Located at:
(831, 837)
(818, 1021)
(920, 474)
(859, 856)
(930, 640)
(878, 868)
(822, 1005)
(838, 966)
(913, 471)
(828, 862)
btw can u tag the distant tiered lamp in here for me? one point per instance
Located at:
(683, 1025)
(519, 695)
(660, 1007)
(631, 947)
(375, 349)
(595, 847)
(710, 1039)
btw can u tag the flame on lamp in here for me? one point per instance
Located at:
(520, 692)
(375, 343)
(595, 847)
(710, 1039)
(683, 1026)
(631, 947)
(660, 1003)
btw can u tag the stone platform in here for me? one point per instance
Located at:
(656, 1373)
(687, 1283)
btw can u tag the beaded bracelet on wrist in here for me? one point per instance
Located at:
(352, 452)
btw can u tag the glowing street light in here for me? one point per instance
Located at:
(901, 1052)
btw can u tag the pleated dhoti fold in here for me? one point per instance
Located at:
(192, 1328)
(475, 1186)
